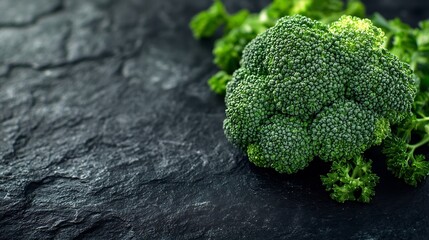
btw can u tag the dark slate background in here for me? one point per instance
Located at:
(108, 131)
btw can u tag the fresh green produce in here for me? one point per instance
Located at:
(350, 177)
(333, 101)
(307, 89)
(401, 150)
(207, 22)
(218, 81)
(412, 134)
(410, 45)
(240, 28)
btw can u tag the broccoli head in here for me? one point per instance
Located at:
(307, 89)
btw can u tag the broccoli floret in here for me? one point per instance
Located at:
(307, 89)
(240, 28)
(248, 107)
(228, 49)
(346, 129)
(410, 45)
(284, 145)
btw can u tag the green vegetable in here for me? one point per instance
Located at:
(411, 135)
(402, 157)
(306, 89)
(228, 49)
(207, 22)
(240, 28)
(334, 100)
(410, 45)
(351, 180)
(218, 82)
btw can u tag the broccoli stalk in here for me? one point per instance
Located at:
(351, 180)
(402, 159)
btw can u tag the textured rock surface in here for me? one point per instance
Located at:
(108, 131)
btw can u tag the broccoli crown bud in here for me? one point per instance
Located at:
(345, 129)
(307, 89)
(284, 145)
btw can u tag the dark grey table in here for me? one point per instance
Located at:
(109, 131)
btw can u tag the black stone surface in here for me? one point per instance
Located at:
(108, 131)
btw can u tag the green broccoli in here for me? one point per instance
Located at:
(402, 147)
(410, 45)
(228, 49)
(240, 28)
(306, 89)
